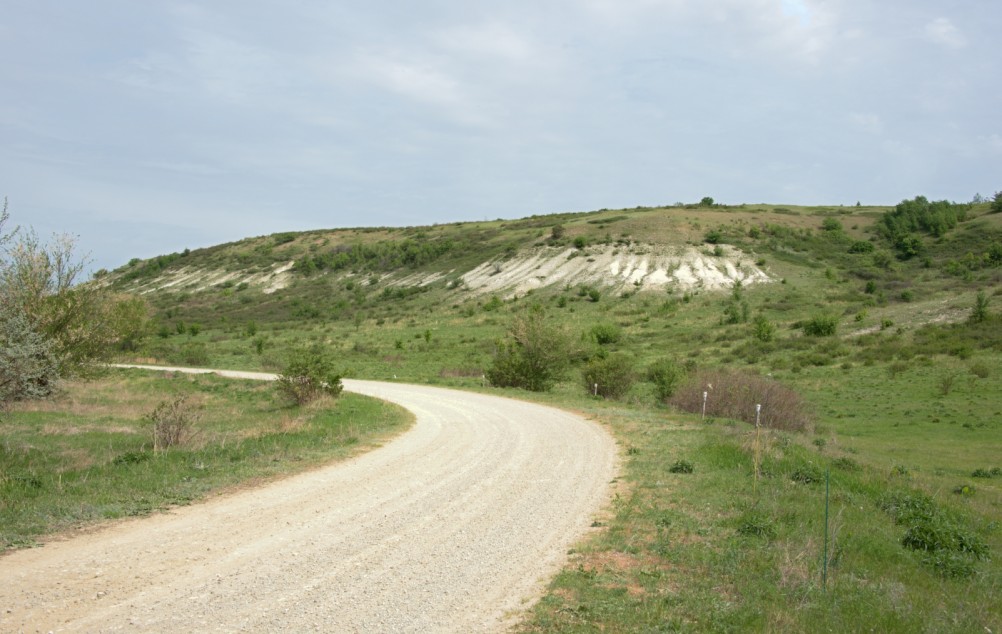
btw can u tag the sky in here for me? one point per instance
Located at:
(145, 128)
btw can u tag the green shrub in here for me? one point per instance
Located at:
(681, 466)
(192, 353)
(533, 355)
(308, 375)
(821, 326)
(980, 370)
(861, 246)
(613, 376)
(936, 532)
(763, 329)
(755, 523)
(665, 374)
(605, 334)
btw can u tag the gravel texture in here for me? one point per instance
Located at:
(452, 527)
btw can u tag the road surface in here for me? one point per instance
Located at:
(453, 526)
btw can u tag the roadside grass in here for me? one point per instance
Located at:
(717, 550)
(87, 455)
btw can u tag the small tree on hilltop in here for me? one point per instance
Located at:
(997, 203)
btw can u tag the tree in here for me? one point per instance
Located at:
(28, 367)
(533, 355)
(56, 327)
(706, 201)
(980, 311)
(997, 203)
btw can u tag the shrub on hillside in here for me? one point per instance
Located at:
(820, 326)
(611, 377)
(308, 375)
(734, 395)
(533, 355)
(605, 334)
(666, 375)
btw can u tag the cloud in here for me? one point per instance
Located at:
(943, 32)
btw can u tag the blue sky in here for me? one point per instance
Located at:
(149, 127)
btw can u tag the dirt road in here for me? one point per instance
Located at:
(452, 527)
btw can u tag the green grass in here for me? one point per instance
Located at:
(716, 550)
(87, 456)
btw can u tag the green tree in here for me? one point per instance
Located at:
(980, 311)
(43, 306)
(533, 355)
(28, 367)
(997, 203)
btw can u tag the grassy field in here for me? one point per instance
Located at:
(905, 397)
(87, 456)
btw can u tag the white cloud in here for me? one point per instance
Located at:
(943, 32)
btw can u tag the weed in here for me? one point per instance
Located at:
(173, 422)
(755, 523)
(681, 466)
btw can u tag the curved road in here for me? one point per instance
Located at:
(451, 527)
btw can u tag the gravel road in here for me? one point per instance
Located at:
(452, 527)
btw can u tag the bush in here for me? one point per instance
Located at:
(821, 326)
(681, 466)
(755, 523)
(173, 422)
(665, 374)
(605, 334)
(763, 329)
(192, 353)
(308, 375)
(533, 355)
(28, 365)
(979, 313)
(735, 394)
(613, 375)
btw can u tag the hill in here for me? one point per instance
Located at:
(882, 323)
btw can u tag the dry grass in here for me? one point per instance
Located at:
(735, 395)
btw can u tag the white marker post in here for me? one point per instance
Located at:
(758, 427)
(703, 415)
